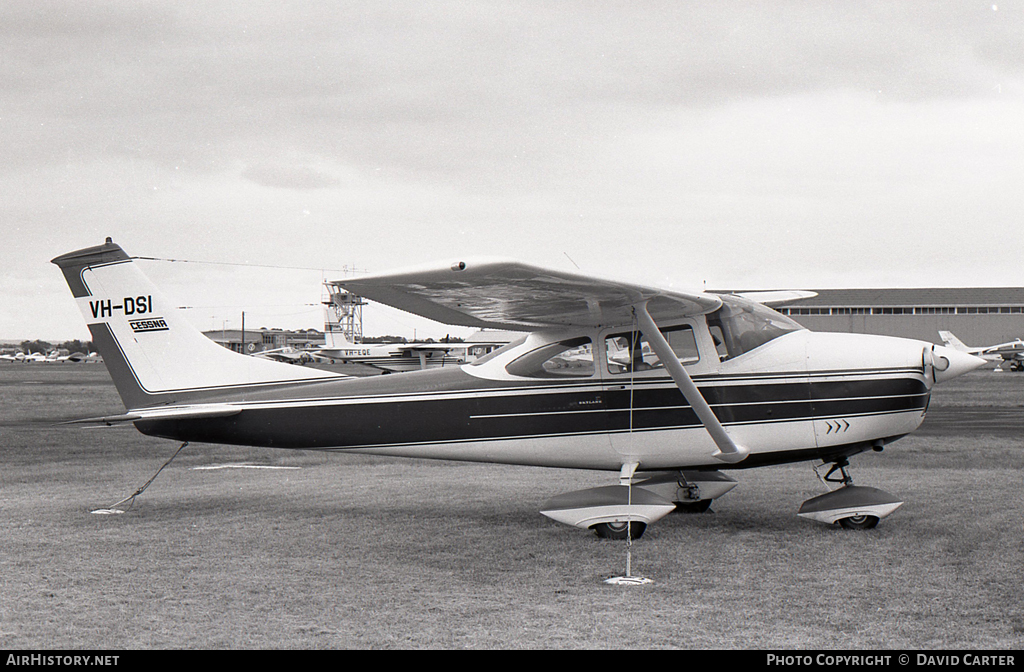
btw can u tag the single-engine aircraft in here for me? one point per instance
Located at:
(1011, 352)
(731, 385)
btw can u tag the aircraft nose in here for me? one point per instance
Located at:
(948, 363)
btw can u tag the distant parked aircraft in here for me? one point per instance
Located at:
(387, 356)
(288, 354)
(1011, 351)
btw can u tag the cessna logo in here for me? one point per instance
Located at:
(150, 324)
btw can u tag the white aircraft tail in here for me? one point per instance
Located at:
(154, 354)
(952, 341)
(334, 335)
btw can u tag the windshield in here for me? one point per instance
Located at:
(741, 325)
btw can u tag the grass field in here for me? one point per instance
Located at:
(357, 552)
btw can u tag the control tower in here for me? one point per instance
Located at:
(344, 314)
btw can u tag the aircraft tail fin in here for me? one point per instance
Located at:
(952, 341)
(154, 354)
(334, 334)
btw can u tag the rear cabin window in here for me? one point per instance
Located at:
(561, 359)
(500, 351)
(630, 351)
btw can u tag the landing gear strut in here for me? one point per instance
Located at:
(844, 475)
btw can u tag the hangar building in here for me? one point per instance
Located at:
(977, 316)
(253, 341)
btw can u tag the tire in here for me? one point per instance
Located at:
(859, 522)
(700, 506)
(618, 530)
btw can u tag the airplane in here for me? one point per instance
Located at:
(763, 390)
(390, 357)
(63, 356)
(18, 356)
(1011, 351)
(287, 354)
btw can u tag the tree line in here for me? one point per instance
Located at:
(44, 347)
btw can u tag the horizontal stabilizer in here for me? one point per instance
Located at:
(169, 413)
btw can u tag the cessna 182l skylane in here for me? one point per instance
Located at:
(733, 385)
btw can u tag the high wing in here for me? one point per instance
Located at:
(775, 297)
(502, 294)
(1011, 350)
(431, 347)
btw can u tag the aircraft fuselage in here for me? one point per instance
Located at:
(819, 405)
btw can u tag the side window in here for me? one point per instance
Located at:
(630, 351)
(571, 357)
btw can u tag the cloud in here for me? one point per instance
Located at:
(719, 132)
(453, 87)
(290, 177)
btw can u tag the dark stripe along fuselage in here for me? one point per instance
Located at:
(446, 406)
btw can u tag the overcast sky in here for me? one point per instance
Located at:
(741, 145)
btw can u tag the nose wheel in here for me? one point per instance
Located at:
(862, 522)
(853, 507)
(858, 522)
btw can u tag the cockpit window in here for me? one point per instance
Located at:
(741, 325)
(571, 357)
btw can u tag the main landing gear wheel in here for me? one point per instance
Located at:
(619, 530)
(858, 522)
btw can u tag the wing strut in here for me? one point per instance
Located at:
(728, 450)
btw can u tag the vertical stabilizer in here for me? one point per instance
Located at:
(154, 354)
(334, 333)
(953, 342)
